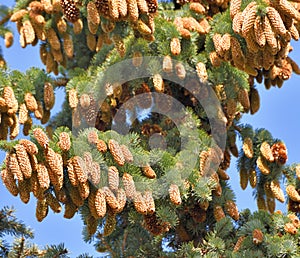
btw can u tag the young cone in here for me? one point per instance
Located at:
(266, 152)
(248, 147)
(149, 172)
(24, 161)
(113, 178)
(290, 228)
(174, 193)
(232, 210)
(129, 186)
(64, 141)
(257, 236)
(9, 182)
(116, 152)
(100, 203)
(53, 203)
(218, 213)
(41, 211)
(139, 203)
(277, 191)
(292, 193)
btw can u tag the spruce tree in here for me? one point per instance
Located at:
(154, 96)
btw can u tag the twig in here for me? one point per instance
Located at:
(5, 19)
(124, 242)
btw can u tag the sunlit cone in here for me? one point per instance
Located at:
(297, 171)
(174, 194)
(55, 163)
(202, 72)
(116, 152)
(235, 7)
(121, 199)
(61, 25)
(73, 98)
(276, 21)
(122, 7)
(22, 39)
(292, 193)
(175, 46)
(218, 213)
(13, 167)
(49, 96)
(53, 39)
(100, 203)
(15, 128)
(295, 220)
(79, 169)
(126, 153)
(24, 190)
(290, 228)
(113, 178)
(29, 33)
(257, 236)
(70, 10)
(24, 161)
(30, 102)
(158, 82)
(140, 203)
(277, 191)
(204, 161)
(70, 210)
(279, 152)
(23, 113)
(92, 13)
(113, 9)
(143, 6)
(18, 15)
(238, 244)
(265, 150)
(91, 204)
(64, 141)
(148, 198)
(8, 39)
(9, 96)
(248, 147)
(91, 41)
(110, 223)
(77, 26)
(149, 172)
(9, 182)
(38, 113)
(43, 176)
(129, 186)
(85, 101)
(101, 146)
(262, 165)
(197, 8)
(237, 22)
(41, 211)
(214, 59)
(237, 53)
(133, 11)
(252, 178)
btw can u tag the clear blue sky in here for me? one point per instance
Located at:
(279, 113)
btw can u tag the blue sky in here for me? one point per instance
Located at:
(279, 113)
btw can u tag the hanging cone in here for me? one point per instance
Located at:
(43, 176)
(101, 146)
(149, 172)
(126, 153)
(23, 160)
(113, 178)
(232, 210)
(70, 210)
(148, 197)
(41, 211)
(41, 137)
(279, 152)
(244, 178)
(262, 165)
(248, 147)
(24, 190)
(129, 186)
(139, 203)
(167, 65)
(111, 199)
(53, 203)
(100, 203)
(121, 199)
(9, 182)
(277, 191)
(252, 178)
(266, 151)
(239, 244)
(110, 223)
(116, 152)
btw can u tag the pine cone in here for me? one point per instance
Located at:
(175, 46)
(113, 178)
(9, 181)
(129, 186)
(292, 193)
(253, 178)
(137, 58)
(139, 203)
(257, 236)
(148, 198)
(261, 203)
(290, 228)
(13, 168)
(158, 82)
(121, 199)
(64, 141)
(101, 146)
(41, 209)
(70, 210)
(126, 153)
(262, 165)
(53, 203)
(244, 178)
(295, 220)
(277, 191)
(24, 190)
(239, 244)
(279, 152)
(70, 11)
(116, 152)
(110, 224)
(100, 203)
(174, 194)
(248, 147)
(23, 160)
(266, 151)
(43, 176)
(149, 172)
(41, 137)
(79, 169)
(218, 213)
(232, 210)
